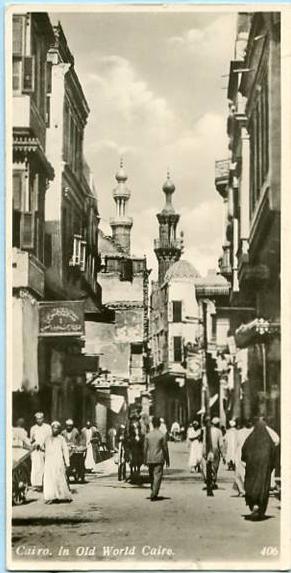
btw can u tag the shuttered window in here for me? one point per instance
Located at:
(18, 27)
(28, 74)
(27, 231)
(17, 76)
(48, 77)
(177, 310)
(177, 349)
(18, 179)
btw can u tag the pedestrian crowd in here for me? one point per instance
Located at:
(56, 453)
(248, 450)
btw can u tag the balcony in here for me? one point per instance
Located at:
(224, 263)
(222, 168)
(165, 244)
(28, 272)
(250, 275)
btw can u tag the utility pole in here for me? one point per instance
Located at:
(209, 450)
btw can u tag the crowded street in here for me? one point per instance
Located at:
(144, 363)
(107, 516)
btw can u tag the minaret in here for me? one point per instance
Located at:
(121, 224)
(167, 248)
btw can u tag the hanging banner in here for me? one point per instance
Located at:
(194, 366)
(61, 318)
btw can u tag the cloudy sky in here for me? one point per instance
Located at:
(154, 83)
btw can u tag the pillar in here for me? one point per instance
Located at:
(101, 419)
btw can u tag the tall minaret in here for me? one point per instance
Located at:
(167, 248)
(121, 224)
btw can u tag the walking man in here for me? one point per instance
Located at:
(156, 454)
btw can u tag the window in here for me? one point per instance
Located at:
(18, 27)
(28, 79)
(126, 270)
(48, 251)
(213, 326)
(18, 189)
(259, 143)
(178, 349)
(17, 75)
(177, 311)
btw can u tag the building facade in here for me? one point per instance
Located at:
(177, 330)
(123, 345)
(249, 183)
(71, 241)
(55, 229)
(32, 172)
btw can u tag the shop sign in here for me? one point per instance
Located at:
(61, 318)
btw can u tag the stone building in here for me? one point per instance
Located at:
(123, 345)
(176, 328)
(55, 229)
(71, 242)
(32, 171)
(249, 183)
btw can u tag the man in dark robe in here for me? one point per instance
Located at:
(258, 453)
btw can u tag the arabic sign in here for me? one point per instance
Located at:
(61, 318)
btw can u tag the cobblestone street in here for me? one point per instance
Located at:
(109, 521)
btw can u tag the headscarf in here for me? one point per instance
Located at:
(258, 444)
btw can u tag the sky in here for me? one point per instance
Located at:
(156, 87)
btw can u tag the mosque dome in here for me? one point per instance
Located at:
(180, 270)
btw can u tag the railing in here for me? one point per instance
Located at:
(165, 244)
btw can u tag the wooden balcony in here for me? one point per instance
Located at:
(221, 176)
(28, 272)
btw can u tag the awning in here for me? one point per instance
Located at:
(25, 144)
(113, 402)
(255, 331)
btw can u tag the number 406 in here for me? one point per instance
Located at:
(269, 551)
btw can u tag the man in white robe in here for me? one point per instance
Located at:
(38, 435)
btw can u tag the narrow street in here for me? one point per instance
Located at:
(106, 517)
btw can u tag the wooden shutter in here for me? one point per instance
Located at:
(28, 74)
(17, 189)
(35, 193)
(177, 310)
(177, 349)
(49, 77)
(17, 35)
(27, 231)
(17, 75)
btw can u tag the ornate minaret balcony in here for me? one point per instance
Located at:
(121, 224)
(167, 247)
